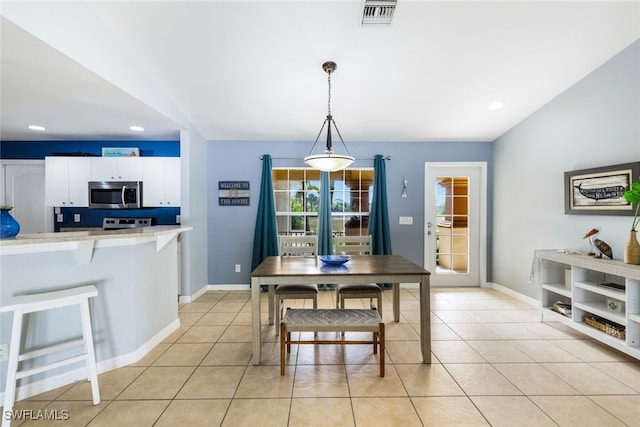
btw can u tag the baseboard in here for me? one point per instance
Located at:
(191, 298)
(517, 295)
(48, 384)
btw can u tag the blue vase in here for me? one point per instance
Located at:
(9, 227)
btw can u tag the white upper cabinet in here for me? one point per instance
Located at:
(66, 181)
(161, 181)
(116, 168)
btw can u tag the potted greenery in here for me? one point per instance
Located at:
(632, 250)
(9, 227)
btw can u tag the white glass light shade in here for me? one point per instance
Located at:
(329, 162)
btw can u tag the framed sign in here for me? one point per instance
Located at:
(233, 193)
(600, 191)
(120, 152)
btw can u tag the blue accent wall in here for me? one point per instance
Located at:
(21, 150)
(94, 217)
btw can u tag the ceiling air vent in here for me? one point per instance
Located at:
(378, 11)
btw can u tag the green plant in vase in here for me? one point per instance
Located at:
(632, 250)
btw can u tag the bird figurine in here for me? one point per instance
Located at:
(589, 236)
(604, 248)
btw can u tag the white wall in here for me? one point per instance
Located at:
(594, 123)
(193, 211)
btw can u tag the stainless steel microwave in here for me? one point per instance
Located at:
(115, 194)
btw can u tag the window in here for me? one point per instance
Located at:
(297, 197)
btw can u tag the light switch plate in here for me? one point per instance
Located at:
(76, 217)
(406, 220)
(59, 218)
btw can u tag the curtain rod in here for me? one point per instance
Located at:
(300, 158)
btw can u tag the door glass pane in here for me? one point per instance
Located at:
(452, 218)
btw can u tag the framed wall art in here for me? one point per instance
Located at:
(233, 193)
(600, 191)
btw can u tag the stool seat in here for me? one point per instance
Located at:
(296, 288)
(25, 304)
(48, 300)
(358, 287)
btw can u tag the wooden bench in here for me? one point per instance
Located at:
(331, 320)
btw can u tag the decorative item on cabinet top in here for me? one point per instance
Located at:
(632, 249)
(9, 227)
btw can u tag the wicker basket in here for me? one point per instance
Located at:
(606, 326)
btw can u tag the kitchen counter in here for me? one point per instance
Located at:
(137, 274)
(84, 242)
(75, 236)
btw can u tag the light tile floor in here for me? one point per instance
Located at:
(494, 363)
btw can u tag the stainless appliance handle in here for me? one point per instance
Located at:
(124, 187)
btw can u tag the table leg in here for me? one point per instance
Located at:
(256, 322)
(425, 319)
(272, 302)
(396, 302)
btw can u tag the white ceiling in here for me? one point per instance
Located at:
(240, 70)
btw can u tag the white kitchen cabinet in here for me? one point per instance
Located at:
(161, 181)
(66, 181)
(116, 169)
(603, 295)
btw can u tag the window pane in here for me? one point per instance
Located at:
(280, 179)
(282, 201)
(296, 177)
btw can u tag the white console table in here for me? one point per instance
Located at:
(604, 288)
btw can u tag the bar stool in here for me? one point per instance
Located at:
(24, 304)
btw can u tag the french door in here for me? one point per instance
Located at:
(455, 223)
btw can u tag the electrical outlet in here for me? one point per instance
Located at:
(3, 352)
(59, 218)
(237, 268)
(177, 219)
(76, 217)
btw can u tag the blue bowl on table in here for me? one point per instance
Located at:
(334, 259)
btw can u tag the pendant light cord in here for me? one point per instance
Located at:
(329, 97)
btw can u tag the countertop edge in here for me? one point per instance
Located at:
(77, 236)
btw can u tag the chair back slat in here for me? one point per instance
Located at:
(298, 245)
(352, 245)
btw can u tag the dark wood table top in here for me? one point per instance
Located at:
(358, 265)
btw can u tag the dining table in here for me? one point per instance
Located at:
(394, 269)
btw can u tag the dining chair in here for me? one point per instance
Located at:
(356, 245)
(295, 246)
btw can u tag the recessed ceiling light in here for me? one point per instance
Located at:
(136, 128)
(496, 105)
(37, 127)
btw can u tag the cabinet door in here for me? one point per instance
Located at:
(116, 169)
(153, 184)
(172, 180)
(79, 175)
(56, 184)
(129, 169)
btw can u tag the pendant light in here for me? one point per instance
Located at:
(329, 161)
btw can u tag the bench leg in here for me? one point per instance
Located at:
(283, 333)
(381, 349)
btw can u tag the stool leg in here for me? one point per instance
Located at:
(283, 334)
(278, 312)
(381, 339)
(12, 368)
(91, 356)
